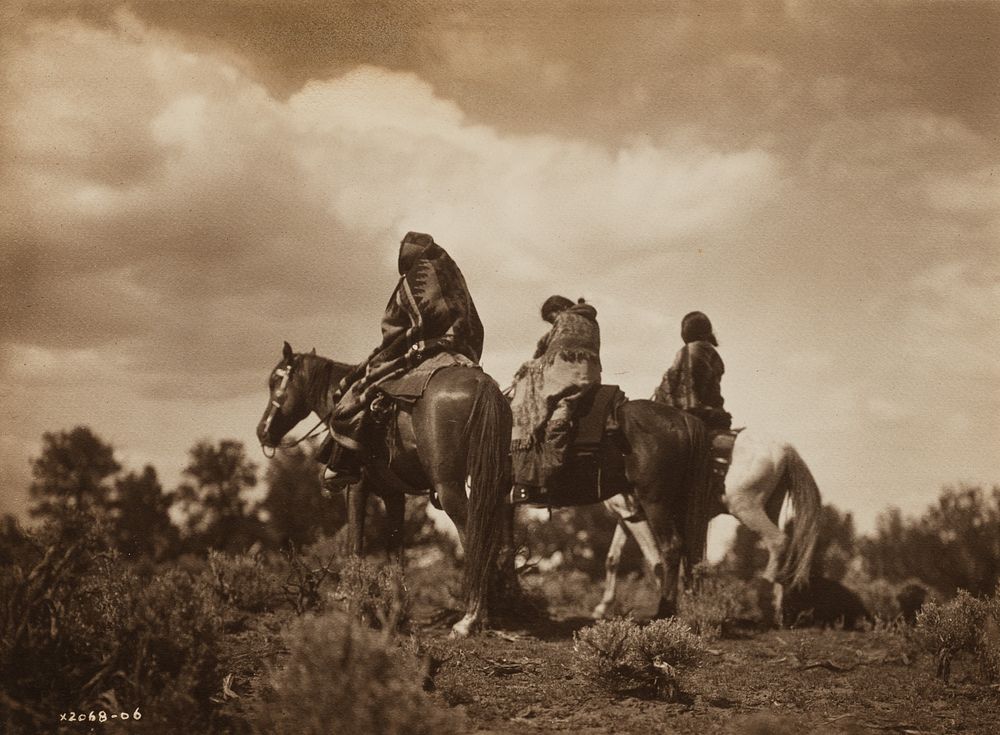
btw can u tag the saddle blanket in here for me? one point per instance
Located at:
(411, 385)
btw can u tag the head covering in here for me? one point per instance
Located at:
(553, 305)
(411, 248)
(695, 327)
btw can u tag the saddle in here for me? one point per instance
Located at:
(595, 466)
(410, 386)
(721, 454)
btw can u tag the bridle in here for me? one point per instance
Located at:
(277, 401)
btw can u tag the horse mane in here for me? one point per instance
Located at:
(324, 375)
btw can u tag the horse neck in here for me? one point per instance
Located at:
(322, 376)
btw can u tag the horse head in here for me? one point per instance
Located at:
(288, 403)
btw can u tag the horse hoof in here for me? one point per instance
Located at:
(462, 629)
(600, 612)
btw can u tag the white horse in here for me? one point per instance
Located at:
(762, 473)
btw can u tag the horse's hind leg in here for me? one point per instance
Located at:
(456, 504)
(750, 497)
(753, 496)
(670, 544)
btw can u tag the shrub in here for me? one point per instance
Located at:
(64, 599)
(374, 594)
(173, 649)
(965, 624)
(716, 602)
(625, 658)
(79, 630)
(305, 578)
(243, 581)
(989, 639)
(344, 678)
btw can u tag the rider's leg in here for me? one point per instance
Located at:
(557, 440)
(345, 458)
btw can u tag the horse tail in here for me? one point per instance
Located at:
(700, 506)
(807, 506)
(488, 465)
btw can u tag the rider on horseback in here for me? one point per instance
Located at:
(566, 366)
(693, 382)
(430, 312)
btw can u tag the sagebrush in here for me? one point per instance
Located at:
(80, 630)
(717, 601)
(964, 624)
(374, 594)
(626, 658)
(342, 677)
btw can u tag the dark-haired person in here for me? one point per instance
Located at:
(694, 382)
(565, 367)
(431, 311)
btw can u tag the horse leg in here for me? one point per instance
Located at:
(357, 506)
(751, 497)
(456, 504)
(505, 589)
(395, 512)
(618, 542)
(463, 426)
(754, 474)
(670, 546)
(756, 520)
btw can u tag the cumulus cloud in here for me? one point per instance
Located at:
(232, 202)
(183, 191)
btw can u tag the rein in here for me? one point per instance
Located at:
(285, 374)
(294, 443)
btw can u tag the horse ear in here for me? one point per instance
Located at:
(313, 351)
(287, 351)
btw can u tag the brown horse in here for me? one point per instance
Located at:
(667, 469)
(666, 457)
(763, 473)
(460, 428)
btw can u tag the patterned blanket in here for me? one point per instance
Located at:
(430, 312)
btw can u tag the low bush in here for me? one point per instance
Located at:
(964, 624)
(624, 658)
(174, 643)
(306, 575)
(244, 581)
(341, 677)
(716, 602)
(80, 631)
(375, 595)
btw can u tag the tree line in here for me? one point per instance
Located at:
(77, 475)
(953, 544)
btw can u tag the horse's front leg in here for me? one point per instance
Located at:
(611, 571)
(357, 506)
(395, 513)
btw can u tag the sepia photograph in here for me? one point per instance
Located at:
(441, 366)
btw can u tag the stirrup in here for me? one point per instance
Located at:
(522, 493)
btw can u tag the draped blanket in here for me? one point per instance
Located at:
(693, 383)
(565, 366)
(431, 311)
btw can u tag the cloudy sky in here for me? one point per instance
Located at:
(187, 184)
